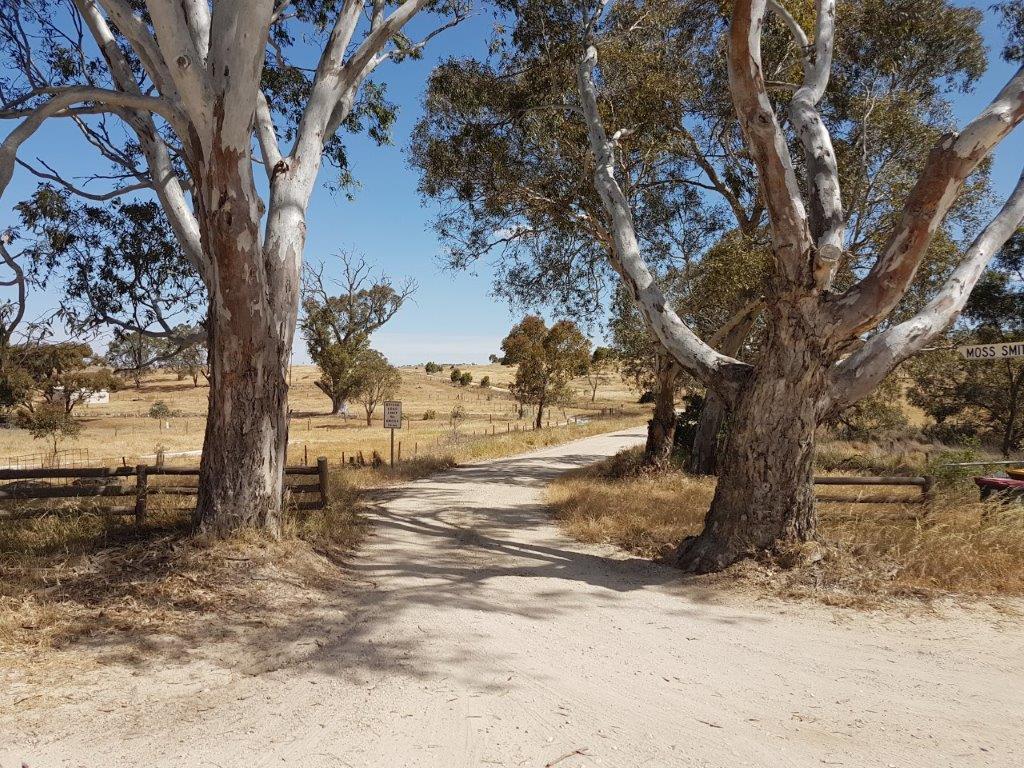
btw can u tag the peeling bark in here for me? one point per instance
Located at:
(704, 454)
(764, 500)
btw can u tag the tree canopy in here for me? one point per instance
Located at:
(547, 361)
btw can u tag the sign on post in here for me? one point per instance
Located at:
(392, 421)
(392, 414)
(999, 351)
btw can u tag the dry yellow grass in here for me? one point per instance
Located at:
(870, 552)
(122, 432)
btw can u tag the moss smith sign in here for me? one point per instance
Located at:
(993, 351)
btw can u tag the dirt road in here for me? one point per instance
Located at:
(480, 636)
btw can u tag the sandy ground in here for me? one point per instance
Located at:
(478, 635)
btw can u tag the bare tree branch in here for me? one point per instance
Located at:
(859, 374)
(953, 158)
(716, 370)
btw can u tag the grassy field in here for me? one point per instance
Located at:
(867, 553)
(123, 432)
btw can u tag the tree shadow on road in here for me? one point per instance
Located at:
(468, 542)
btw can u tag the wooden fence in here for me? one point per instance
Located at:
(926, 484)
(111, 482)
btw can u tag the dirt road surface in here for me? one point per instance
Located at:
(478, 635)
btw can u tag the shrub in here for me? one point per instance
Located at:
(429, 415)
(160, 410)
(466, 379)
(432, 368)
(456, 375)
(646, 397)
(485, 382)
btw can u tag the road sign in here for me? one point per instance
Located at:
(392, 414)
(993, 351)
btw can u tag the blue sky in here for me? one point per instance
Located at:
(453, 317)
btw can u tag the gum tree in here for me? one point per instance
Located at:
(547, 361)
(229, 123)
(825, 347)
(338, 322)
(503, 149)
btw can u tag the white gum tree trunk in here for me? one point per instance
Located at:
(764, 500)
(202, 64)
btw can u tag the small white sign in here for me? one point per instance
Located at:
(392, 414)
(993, 351)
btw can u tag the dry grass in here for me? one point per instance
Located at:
(869, 552)
(123, 432)
(74, 576)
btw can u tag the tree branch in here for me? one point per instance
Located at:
(792, 240)
(714, 369)
(827, 222)
(953, 158)
(51, 175)
(859, 374)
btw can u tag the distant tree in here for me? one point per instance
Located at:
(62, 375)
(189, 361)
(485, 382)
(160, 411)
(134, 354)
(455, 418)
(466, 379)
(338, 327)
(645, 366)
(50, 422)
(493, 359)
(456, 375)
(882, 411)
(547, 360)
(601, 363)
(71, 388)
(432, 368)
(379, 381)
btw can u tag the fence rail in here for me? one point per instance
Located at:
(926, 484)
(117, 487)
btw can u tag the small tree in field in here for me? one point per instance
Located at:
(51, 423)
(160, 412)
(133, 353)
(485, 382)
(456, 375)
(64, 375)
(599, 369)
(338, 327)
(379, 382)
(465, 379)
(548, 359)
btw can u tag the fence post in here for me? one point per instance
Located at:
(321, 468)
(928, 489)
(141, 492)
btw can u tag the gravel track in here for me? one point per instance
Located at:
(476, 634)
